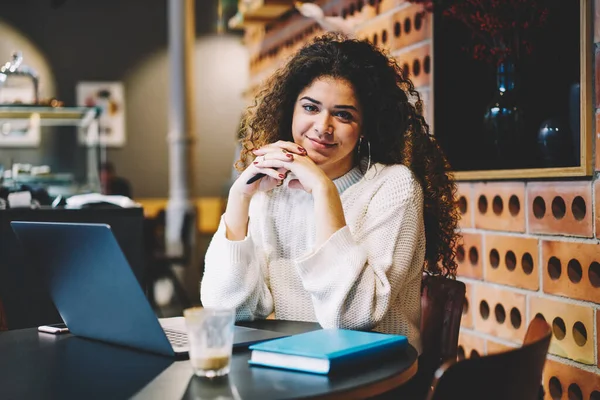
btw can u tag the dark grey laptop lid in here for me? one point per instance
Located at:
(91, 283)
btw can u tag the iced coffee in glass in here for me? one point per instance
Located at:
(210, 337)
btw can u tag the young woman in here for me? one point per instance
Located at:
(356, 198)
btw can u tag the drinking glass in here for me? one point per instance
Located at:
(210, 337)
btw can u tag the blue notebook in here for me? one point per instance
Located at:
(326, 350)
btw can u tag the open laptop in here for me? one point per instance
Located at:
(96, 292)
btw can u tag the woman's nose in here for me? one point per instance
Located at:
(323, 126)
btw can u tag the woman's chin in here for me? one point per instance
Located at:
(316, 157)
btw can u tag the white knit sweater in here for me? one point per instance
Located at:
(367, 275)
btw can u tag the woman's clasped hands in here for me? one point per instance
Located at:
(275, 161)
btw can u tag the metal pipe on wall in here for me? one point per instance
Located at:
(181, 135)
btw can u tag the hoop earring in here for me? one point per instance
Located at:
(368, 150)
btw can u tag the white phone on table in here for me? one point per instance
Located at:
(54, 328)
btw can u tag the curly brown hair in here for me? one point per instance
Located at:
(394, 126)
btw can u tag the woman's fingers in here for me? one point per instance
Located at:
(278, 155)
(283, 171)
(295, 184)
(280, 146)
(275, 163)
(275, 173)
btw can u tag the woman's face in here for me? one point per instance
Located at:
(327, 122)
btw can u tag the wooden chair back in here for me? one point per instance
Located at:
(513, 374)
(442, 302)
(3, 323)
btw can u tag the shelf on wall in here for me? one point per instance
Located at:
(260, 11)
(241, 21)
(50, 116)
(20, 127)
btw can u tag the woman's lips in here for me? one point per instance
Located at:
(321, 145)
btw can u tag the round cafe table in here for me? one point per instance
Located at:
(36, 365)
(246, 382)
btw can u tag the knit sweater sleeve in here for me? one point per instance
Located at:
(234, 277)
(354, 277)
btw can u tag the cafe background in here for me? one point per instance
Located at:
(530, 235)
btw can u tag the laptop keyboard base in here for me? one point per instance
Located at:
(176, 338)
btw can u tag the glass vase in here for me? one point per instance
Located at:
(503, 121)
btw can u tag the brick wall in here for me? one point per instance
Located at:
(528, 247)
(531, 248)
(394, 25)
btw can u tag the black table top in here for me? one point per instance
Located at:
(44, 366)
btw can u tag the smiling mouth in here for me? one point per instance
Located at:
(322, 144)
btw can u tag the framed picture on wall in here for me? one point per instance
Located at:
(531, 118)
(110, 97)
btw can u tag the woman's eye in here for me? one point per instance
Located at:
(344, 115)
(310, 107)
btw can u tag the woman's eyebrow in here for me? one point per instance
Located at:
(347, 107)
(310, 99)
(342, 106)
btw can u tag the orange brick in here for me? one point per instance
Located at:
(282, 29)
(348, 10)
(596, 21)
(511, 261)
(368, 11)
(378, 31)
(253, 35)
(500, 312)
(572, 327)
(494, 347)
(470, 345)
(410, 25)
(468, 256)
(386, 5)
(266, 65)
(288, 51)
(571, 269)
(315, 31)
(597, 130)
(500, 206)
(415, 61)
(597, 74)
(464, 198)
(560, 208)
(466, 320)
(562, 381)
(597, 193)
(334, 8)
(284, 41)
